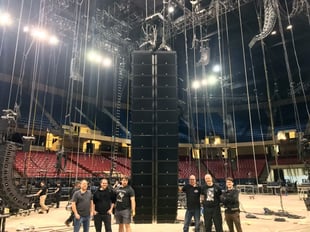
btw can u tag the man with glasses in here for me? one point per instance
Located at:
(192, 191)
(104, 199)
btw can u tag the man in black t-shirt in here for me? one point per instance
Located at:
(42, 193)
(57, 194)
(125, 205)
(104, 199)
(192, 191)
(211, 204)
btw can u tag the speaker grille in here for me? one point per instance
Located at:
(154, 135)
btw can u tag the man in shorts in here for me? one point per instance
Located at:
(125, 205)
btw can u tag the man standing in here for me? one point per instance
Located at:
(82, 207)
(104, 199)
(211, 205)
(230, 199)
(42, 193)
(125, 205)
(57, 194)
(192, 191)
(76, 187)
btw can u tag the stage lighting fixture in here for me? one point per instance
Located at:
(38, 33)
(53, 40)
(107, 62)
(170, 9)
(5, 19)
(99, 59)
(196, 84)
(216, 68)
(94, 57)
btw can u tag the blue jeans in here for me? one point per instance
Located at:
(188, 217)
(79, 222)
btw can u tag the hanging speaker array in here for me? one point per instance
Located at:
(154, 136)
(8, 191)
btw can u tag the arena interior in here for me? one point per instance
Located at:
(157, 91)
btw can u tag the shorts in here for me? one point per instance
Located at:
(123, 216)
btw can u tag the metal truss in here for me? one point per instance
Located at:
(203, 16)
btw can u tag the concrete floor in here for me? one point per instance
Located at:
(54, 221)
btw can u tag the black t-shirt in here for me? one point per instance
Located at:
(103, 198)
(43, 190)
(58, 193)
(192, 196)
(123, 195)
(211, 195)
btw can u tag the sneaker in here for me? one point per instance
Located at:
(47, 210)
(40, 212)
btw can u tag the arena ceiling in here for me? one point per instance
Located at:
(274, 69)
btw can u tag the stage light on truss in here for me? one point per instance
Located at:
(216, 68)
(107, 62)
(289, 27)
(273, 32)
(39, 34)
(170, 9)
(94, 57)
(98, 58)
(5, 19)
(53, 40)
(196, 84)
(26, 29)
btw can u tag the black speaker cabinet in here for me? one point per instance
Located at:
(154, 129)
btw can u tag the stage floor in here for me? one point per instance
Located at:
(54, 220)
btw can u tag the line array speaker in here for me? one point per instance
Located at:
(8, 190)
(154, 160)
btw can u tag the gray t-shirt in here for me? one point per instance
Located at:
(83, 202)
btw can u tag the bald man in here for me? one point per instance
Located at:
(192, 191)
(211, 194)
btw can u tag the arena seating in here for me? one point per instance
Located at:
(38, 164)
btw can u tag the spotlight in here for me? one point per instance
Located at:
(98, 58)
(273, 32)
(5, 19)
(170, 9)
(53, 40)
(216, 68)
(39, 34)
(26, 29)
(196, 84)
(107, 62)
(289, 27)
(94, 57)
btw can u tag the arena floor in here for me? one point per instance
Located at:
(54, 221)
